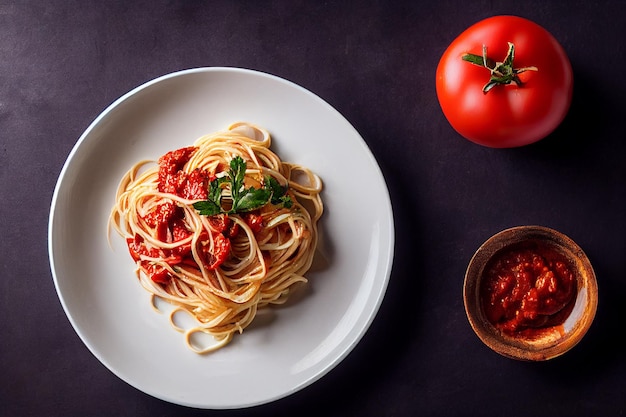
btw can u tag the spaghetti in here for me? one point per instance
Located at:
(220, 229)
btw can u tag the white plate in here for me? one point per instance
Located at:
(293, 346)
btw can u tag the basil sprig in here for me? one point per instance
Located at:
(243, 199)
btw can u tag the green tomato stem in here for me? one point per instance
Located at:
(502, 73)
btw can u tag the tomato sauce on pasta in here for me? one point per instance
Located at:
(220, 229)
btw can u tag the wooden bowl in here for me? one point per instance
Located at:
(561, 331)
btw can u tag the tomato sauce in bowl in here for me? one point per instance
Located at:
(525, 290)
(530, 293)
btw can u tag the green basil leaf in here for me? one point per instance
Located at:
(207, 207)
(237, 176)
(251, 199)
(286, 201)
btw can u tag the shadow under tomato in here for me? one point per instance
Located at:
(584, 126)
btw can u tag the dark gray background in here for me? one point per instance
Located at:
(62, 62)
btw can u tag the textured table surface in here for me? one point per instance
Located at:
(63, 62)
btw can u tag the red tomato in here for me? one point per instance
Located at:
(254, 220)
(157, 273)
(196, 185)
(216, 257)
(180, 232)
(170, 165)
(219, 222)
(508, 115)
(160, 217)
